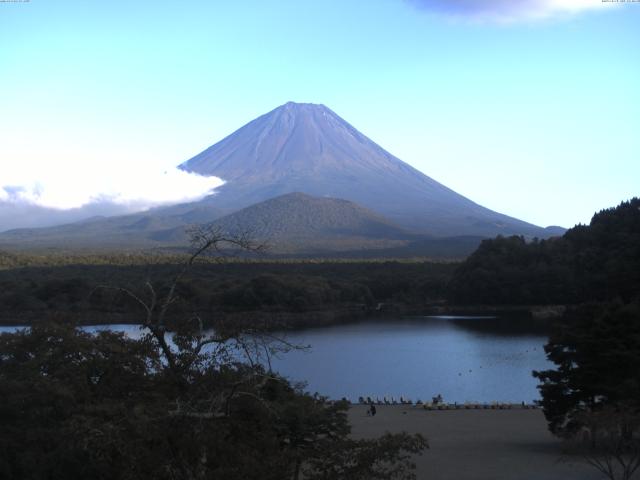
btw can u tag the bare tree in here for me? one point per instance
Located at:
(209, 413)
(191, 338)
(609, 441)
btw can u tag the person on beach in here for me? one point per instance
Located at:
(373, 410)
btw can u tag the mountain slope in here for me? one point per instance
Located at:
(292, 224)
(297, 214)
(127, 231)
(308, 148)
(297, 222)
(302, 225)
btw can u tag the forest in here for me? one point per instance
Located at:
(594, 270)
(181, 402)
(105, 406)
(287, 291)
(599, 261)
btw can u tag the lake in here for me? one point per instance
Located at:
(479, 359)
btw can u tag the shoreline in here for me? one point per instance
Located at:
(540, 315)
(493, 444)
(430, 406)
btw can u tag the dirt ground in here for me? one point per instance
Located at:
(477, 444)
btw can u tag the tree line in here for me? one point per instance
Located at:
(595, 262)
(593, 393)
(181, 402)
(244, 289)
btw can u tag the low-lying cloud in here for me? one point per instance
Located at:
(58, 197)
(508, 10)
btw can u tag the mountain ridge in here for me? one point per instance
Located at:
(303, 176)
(294, 224)
(308, 148)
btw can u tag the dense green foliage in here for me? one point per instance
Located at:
(600, 261)
(181, 402)
(73, 405)
(593, 394)
(217, 289)
(596, 348)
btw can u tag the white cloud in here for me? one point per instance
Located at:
(509, 10)
(73, 194)
(138, 188)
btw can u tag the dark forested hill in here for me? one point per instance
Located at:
(299, 223)
(295, 224)
(599, 261)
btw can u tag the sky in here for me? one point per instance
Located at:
(527, 107)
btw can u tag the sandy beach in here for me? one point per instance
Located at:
(477, 444)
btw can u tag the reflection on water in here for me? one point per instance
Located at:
(504, 326)
(462, 358)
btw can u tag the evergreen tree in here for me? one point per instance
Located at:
(596, 349)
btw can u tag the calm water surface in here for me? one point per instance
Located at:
(461, 358)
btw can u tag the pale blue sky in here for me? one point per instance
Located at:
(534, 114)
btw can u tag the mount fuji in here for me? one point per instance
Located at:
(306, 179)
(304, 147)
